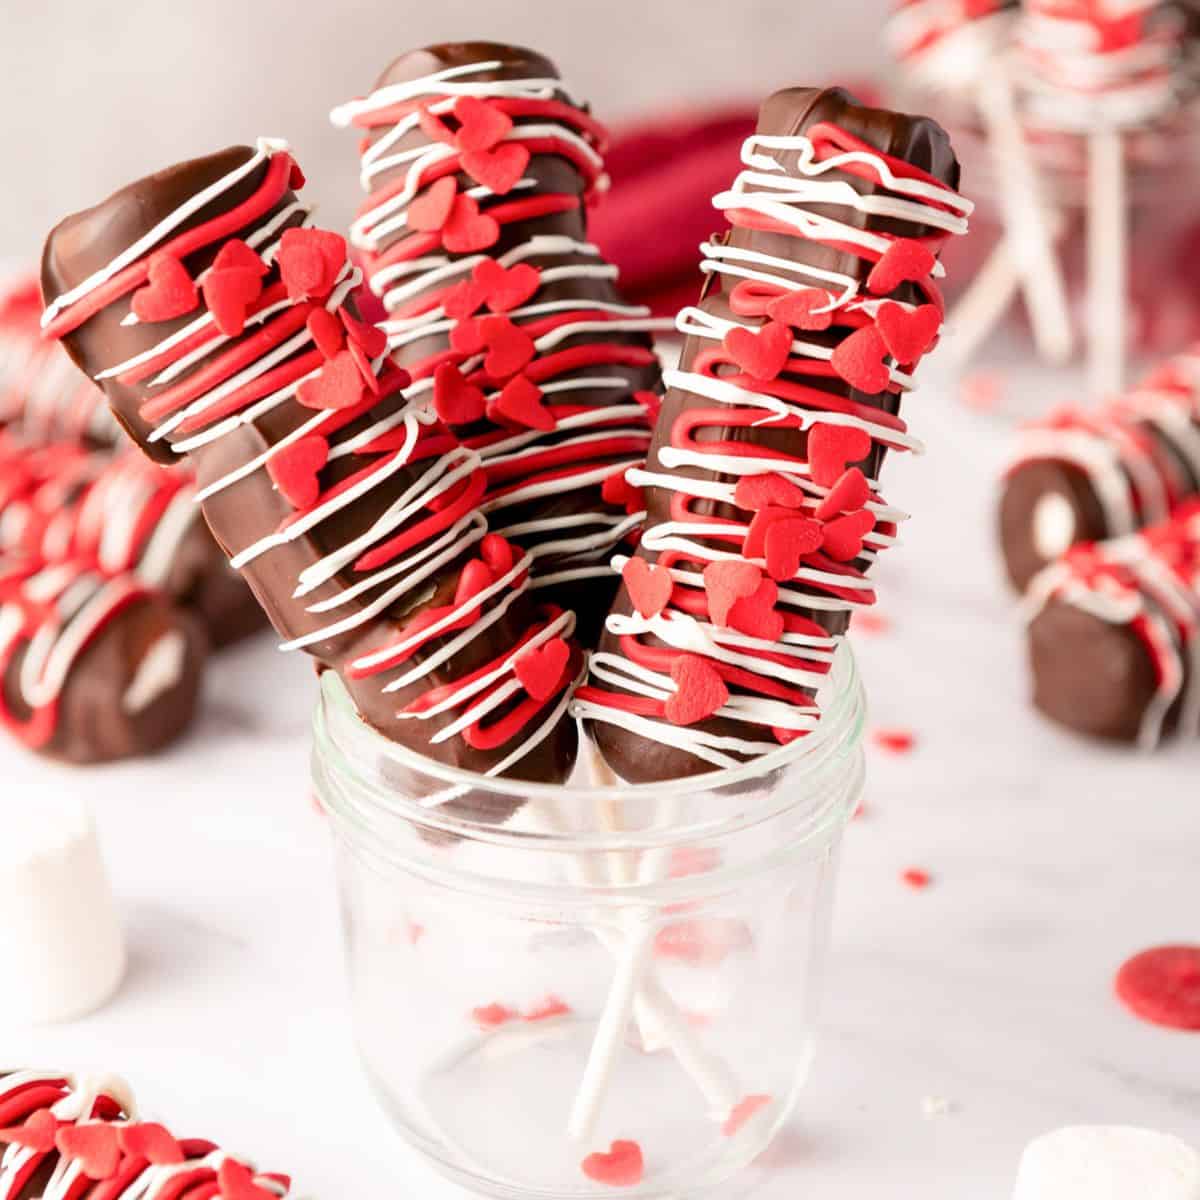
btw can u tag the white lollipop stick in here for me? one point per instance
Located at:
(1108, 267)
(635, 991)
(634, 988)
(1029, 233)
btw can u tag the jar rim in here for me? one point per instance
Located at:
(343, 743)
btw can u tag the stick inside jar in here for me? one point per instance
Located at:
(1107, 261)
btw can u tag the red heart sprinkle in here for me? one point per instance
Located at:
(365, 369)
(498, 170)
(492, 1016)
(294, 469)
(743, 1111)
(94, 1146)
(622, 1166)
(832, 447)
(787, 542)
(843, 538)
(481, 125)
(547, 1009)
(498, 553)
(509, 347)
(475, 577)
(803, 309)
(758, 491)
(699, 690)
(916, 878)
(725, 583)
(370, 337)
(520, 403)
(464, 300)
(327, 331)
(236, 253)
(151, 1142)
(168, 293)
(296, 178)
(467, 229)
(455, 400)
(429, 212)
(649, 587)
(228, 294)
(310, 261)
(620, 493)
(466, 337)
(236, 1182)
(652, 403)
(755, 615)
(761, 355)
(503, 289)
(849, 493)
(543, 669)
(339, 384)
(436, 128)
(36, 1133)
(896, 741)
(859, 360)
(754, 545)
(908, 335)
(905, 261)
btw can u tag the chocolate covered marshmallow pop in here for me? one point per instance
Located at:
(1081, 475)
(478, 165)
(1101, 69)
(764, 510)
(962, 49)
(104, 574)
(80, 1136)
(220, 326)
(1114, 634)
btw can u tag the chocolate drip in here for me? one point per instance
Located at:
(915, 140)
(250, 509)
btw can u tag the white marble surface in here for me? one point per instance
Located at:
(1053, 860)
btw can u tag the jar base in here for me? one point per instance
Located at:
(503, 1133)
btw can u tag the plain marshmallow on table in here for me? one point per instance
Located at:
(60, 937)
(1108, 1162)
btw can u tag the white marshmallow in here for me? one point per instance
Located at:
(1108, 1162)
(62, 952)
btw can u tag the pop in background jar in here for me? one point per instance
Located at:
(630, 965)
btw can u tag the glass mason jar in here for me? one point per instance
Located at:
(559, 991)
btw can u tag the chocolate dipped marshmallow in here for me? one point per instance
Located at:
(100, 656)
(1082, 475)
(1114, 634)
(478, 165)
(762, 479)
(81, 1136)
(221, 327)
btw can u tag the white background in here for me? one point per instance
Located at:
(98, 92)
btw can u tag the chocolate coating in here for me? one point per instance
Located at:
(1030, 487)
(251, 508)
(791, 112)
(96, 722)
(1089, 675)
